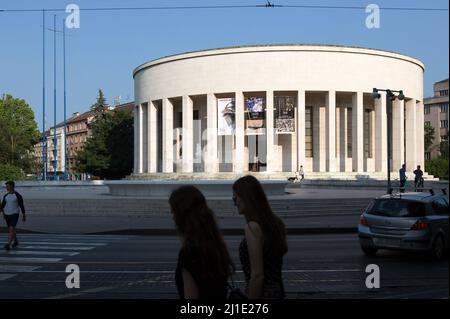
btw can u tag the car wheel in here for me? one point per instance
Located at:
(369, 250)
(438, 249)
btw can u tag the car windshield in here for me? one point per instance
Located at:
(394, 207)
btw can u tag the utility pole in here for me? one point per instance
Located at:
(54, 99)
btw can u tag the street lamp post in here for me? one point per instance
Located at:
(390, 96)
(44, 137)
(65, 116)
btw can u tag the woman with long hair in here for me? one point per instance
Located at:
(261, 251)
(204, 263)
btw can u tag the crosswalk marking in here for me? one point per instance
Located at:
(17, 268)
(6, 276)
(57, 248)
(32, 252)
(37, 250)
(62, 236)
(30, 260)
(60, 243)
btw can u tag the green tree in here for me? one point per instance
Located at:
(108, 152)
(429, 136)
(437, 167)
(443, 148)
(19, 132)
(120, 146)
(10, 172)
(100, 107)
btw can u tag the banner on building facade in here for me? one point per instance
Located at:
(284, 107)
(226, 119)
(255, 112)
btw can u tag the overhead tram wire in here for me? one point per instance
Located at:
(268, 4)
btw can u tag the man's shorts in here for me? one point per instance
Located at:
(11, 220)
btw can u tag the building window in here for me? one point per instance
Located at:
(443, 92)
(444, 108)
(367, 134)
(427, 155)
(427, 123)
(426, 109)
(444, 124)
(349, 132)
(443, 138)
(308, 131)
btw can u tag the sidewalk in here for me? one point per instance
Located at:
(165, 225)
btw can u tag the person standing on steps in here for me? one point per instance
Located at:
(11, 203)
(402, 173)
(418, 179)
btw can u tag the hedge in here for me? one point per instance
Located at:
(10, 172)
(437, 167)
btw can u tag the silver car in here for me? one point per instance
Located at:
(408, 221)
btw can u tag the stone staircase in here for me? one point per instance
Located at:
(344, 176)
(137, 207)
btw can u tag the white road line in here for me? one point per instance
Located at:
(56, 248)
(73, 237)
(32, 252)
(59, 243)
(30, 260)
(321, 270)
(6, 276)
(17, 268)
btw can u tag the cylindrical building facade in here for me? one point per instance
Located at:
(276, 108)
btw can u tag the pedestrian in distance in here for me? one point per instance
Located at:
(301, 173)
(204, 263)
(12, 201)
(418, 179)
(402, 173)
(264, 245)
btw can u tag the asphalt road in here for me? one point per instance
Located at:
(120, 266)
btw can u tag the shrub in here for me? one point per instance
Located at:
(437, 167)
(10, 172)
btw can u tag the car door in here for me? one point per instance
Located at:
(440, 215)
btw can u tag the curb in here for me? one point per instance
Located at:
(225, 232)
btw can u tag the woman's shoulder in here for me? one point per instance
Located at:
(253, 228)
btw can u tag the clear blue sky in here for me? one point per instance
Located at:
(109, 45)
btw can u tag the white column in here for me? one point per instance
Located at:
(167, 135)
(330, 104)
(145, 140)
(343, 138)
(270, 151)
(398, 136)
(141, 138)
(380, 134)
(411, 134)
(136, 139)
(420, 155)
(153, 137)
(187, 133)
(212, 160)
(357, 132)
(301, 129)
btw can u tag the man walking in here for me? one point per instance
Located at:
(10, 205)
(301, 173)
(418, 179)
(402, 172)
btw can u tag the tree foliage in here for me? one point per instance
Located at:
(429, 136)
(437, 167)
(19, 133)
(108, 152)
